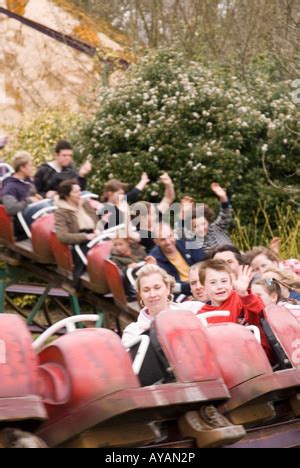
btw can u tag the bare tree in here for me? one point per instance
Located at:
(230, 31)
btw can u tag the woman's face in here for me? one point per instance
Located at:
(154, 293)
(200, 227)
(74, 196)
(267, 298)
(261, 263)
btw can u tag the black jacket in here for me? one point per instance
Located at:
(47, 178)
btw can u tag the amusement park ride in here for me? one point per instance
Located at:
(83, 389)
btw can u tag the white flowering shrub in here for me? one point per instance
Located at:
(201, 124)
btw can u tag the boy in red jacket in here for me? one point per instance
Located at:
(226, 292)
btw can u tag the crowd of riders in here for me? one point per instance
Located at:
(185, 261)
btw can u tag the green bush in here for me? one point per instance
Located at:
(39, 134)
(201, 124)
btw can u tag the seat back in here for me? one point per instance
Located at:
(286, 328)
(84, 369)
(41, 231)
(19, 386)
(238, 353)
(295, 311)
(96, 260)
(184, 342)
(114, 278)
(6, 226)
(62, 254)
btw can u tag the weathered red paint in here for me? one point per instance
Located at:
(62, 254)
(6, 227)
(19, 387)
(41, 231)
(96, 259)
(286, 328)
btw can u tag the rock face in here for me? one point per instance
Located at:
(37, 71)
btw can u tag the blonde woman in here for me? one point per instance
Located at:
(154, 287)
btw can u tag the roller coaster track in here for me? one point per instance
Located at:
(60, 37)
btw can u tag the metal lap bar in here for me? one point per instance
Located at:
(130, 271)
(107, 235)
(43, 211)
(68, 323)
(88, 195)
(144, 341)
(24, 225)
(81, 255)
(207, 315)
(255, 331)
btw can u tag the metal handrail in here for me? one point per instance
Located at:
(144, 341)
(68, 323)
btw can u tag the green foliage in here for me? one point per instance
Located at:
(261, 232)
(39, 134)
(201, 124)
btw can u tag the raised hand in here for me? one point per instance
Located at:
(220, 192)
(145, 178)
(150, 260)
(51, 194)
(242, 283)
(166, 179)
(275, 244)
(143, 182)
(85, 169)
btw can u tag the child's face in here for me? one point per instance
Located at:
(266, 297)
(122, 247)
(218, 285)
(200, 227)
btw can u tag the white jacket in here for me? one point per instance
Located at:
(144, 320)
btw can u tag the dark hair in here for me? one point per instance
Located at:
(256, 251)
(63, 145)
(208, 213)
(65, 188)
(113, 185)
(227, 248)
(218, 265)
